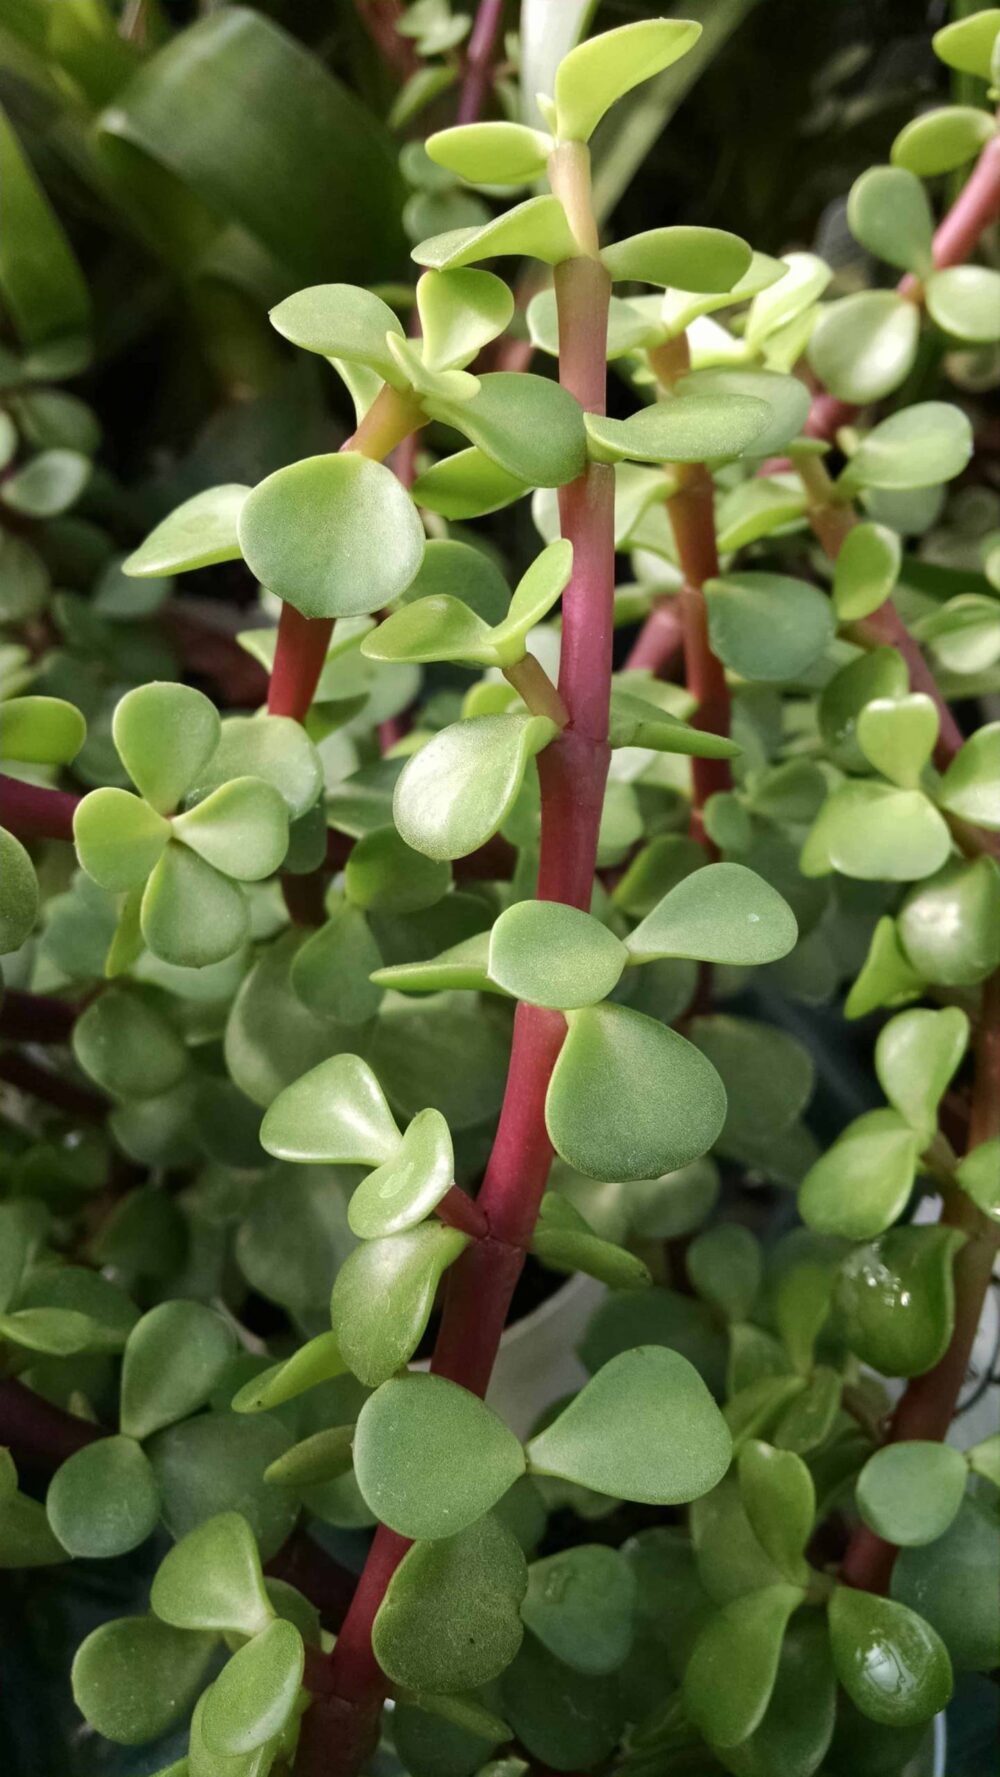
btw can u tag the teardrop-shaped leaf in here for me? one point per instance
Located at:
(953, 1584)
(319, 1360)
(964, 301)
(888, 212)
(272, 748)
(970, 787)
(896, 1299)
(892, 1664)
(334, 535)
(331, 972)
(534, 596)
(596, 73)
(875, 832)
(528, 425)
(886, 977)
(917, 447)
(685, 257)
(212, 1579)
(135, 1678)
(630, 1098)
(909, 1493)
(491, 153)
(564, 1241)
(126, 1045)
(767, 626)
(536, 229)
(103, 1500)
(780, 1501)
(862, 1184)
(685, 429)
(255, 1694)
(552, 955)
(191, 915)
(430, 1458)
(175, 1357)
(866, 570)
(724, 913)
(199, 533)
(979, 1176)
(41, 730)
(450, 1618)
(950, 927)
(785, 396)
(240, 829)
(165, 735)
(467, 485)
(864, 346)
(405, 1190)
(580, 1603)
(383, 1295)
(898, 736)
(118, 838)
(942, 140)
(19, 896)
(798, 1723)
(732, 1670)
(968, 43)
(340, 321)
(685, 1446)
(916, 1056)
(335, 1114)
(438, 628)
(458, 789)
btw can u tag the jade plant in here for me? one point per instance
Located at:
(487, 962)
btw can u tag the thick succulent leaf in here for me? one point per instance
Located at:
(460, 312)
(892, 1664)
(916, 1056)
(385, 875)
(864, 346)
(555, 956)
(876, 833)
(335, 1114)
(450, 1618)
(964, 300)
(724, 913)
(596, 73)
(103, 1501)
(458, 790)
(319, 1360)
(780, 1501)
(331, 971)
(898, 736)
(19, 896)
(436, 628)
(888, 211)
(255, 1694)
(534, 596)
(212, 1579)
(240, 828)
(383, 1295)
(954, 1584)
(970, 787)
(862, 1184)
(405, 1189)
(191, 915)
(536, 229)
(462, 965)
(917, 447)
(969, 43)
(272, 748)
(340, 321)
(491, 153)
(734, 1665)
(767, 626)
(165, 735)
(685, 257)
(118, 838)
(136, 1678)
(636, 723)
(467, 485)
(430, 1458)
(786, 396)
(866, 570)
(197, 535)
(896, 1299)
(175, 1357)
(909, 1493)
(124, 1043)
(580, 1604)
(979, 1176)
(527, 425)
(942, 140)
(949, 927)
(685, 429)
(41, 730)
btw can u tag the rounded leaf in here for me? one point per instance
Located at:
(408, 1187)
(430, 1458)
(969, 43)
(862, 1184)
(527, 425)
(685, 257)
(734, 1664)
(450, 1618)
(491, 153)
(580, 1604)
(876, 833)
(916, 1056)
(551, 955)
(41, 730)
(135, 1678)
(950, 926)
(340, 321)
(964, 300)
(896, 1299)
(767, 626)
(191, 915)
(336, 1114)
(864, 346)
(118, 837)
(942, 140)
(165, 735)
(536, 229)
(596, 73)
(272, 748)
(198, 534)
(254, 1696)
(436, 628)
(124, 1044)
(683, 429)
(892, 1664)
(979, 1176)
(240, 829)
(917, 447)
(19, 897)
(103, 1500)
(175, 1357)
(970, 787)
(780, 1501)
(212, 1579)
(385, 875)
(866, 570)
(458, 789)
(954, 1583)
(383, 1295)
(723, 913)
(888, 212)
(898, 736)
(909, 1493)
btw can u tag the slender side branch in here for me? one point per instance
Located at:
(30, 811)
(479, 60)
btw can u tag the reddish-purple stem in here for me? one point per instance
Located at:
(32, 812)
(479, 60)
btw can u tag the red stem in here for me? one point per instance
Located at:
(692, 516)
(51, 1088)
(30, 811)
(36, 1017)
(658, 641)
(479, 60)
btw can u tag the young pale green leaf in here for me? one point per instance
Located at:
(596, 73)
(806, 1423)
(103, 1500)
(732, 1670)
(240, 829)
(886, 977)
(984, 1458)
(862, 347)
(126, 1045)
(253, 1698)
(456, 386)
(636, 723)
(876, 832)
(964, 300)
(118, 837)
(460, 571)
(272, 748)
(536, 229)
(970, 787)
(174, 1358)
(19, 896)
(804, 281)
(979, 1176)
(383, 1295)
(685, 1446)
(630, 1098)
(916, 1056)
(165, 735)
(861, 1185)
(889, 213)
(491, 153)
(534, 596)
(41, 730)
(430, 1458)
(942, 140)
(192, 915)
(319, 1360)
(467, 485)
(335, 536)
(564, 1241)
(880, 673)
(909, 1493)
(461, 311)
(341, 321)
(405, 1190)
(580, 1603)
(724, 913)
(949, 927)
(450, 1618)
(212, 1579)
(683, 429)
(898, 736)
(892, 1664)
(436, 628)
(458, 789)
(866, 570)
(331, 971)
(335, 1114)
(135, 1678)
(527, 425)
(552, 955)
(896, 1299)
(725, 1267)
(767, 626)
(917, 447)
(785, 396)
(197, 535)
(685, 257)
(780, 1501)
(969, 43)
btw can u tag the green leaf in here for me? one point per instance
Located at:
(198, 534)
(450, 1619)
(341, 321)
(968, 43)
(216, 1462)
(324, 1456)
(212, 1579)
(889, 213)
(191, 915)
(786, 397)
(683, 429)
(26, 1539)
(534, 596)
(636, 723)
(863, 1183)
(725, 1266)
(430, 1458)
(592, 1441)
(385, 875)
(724, 913)
(527, 425)
(882, 673)
(949, 927)
(551, 955)
(630, 1098)
(917, 447)
(979, 1177)
(963, 300)
(536, 229)
(909, 1493)
(272, 748)
(491, 153)
(596, 73)
(165, 735)
(175, 1357)
(808, 1420)
(876, 833)
(124, 1044)
(383, 1295)
(118, 837)
(565, 1241)
(403, 1192)
(767, 626)
(916, 1056)
(461, 311)
(460, 966)
(734, 1665)
(566, 1719)
(896, 1299)
(43, 287)
(19, 896)
(41, 730)
(864, 346)
(580, 1604)
(240, 829)
(685, 257)
(942, 140)
(954, 1585)
(103, 1500)
(886, 977)
(795, 1732)
(336, 1114)
(805, 279)
(254, 1696)
(780, 1501)
(467, 485)
(319, 1360)
(136, 1678)
(866, 570)
(969, 786)
(330, 973)
(891, 1663)
(335, 535)
(898, 736)
(458, 790)
(47, 484)
(461, 572)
